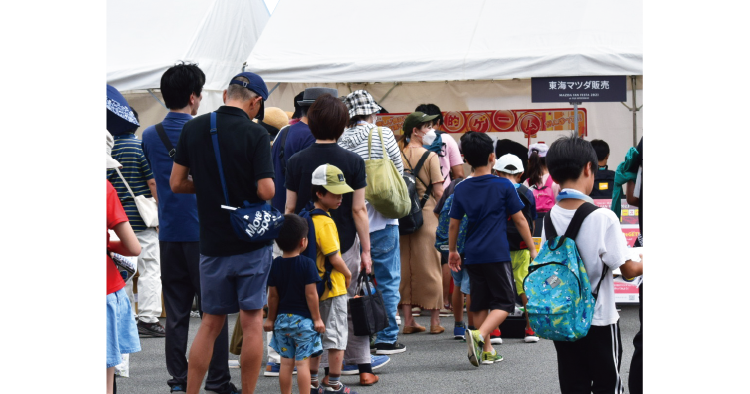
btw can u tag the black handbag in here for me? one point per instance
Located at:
(367, 308)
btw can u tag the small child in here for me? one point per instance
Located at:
(328, 187)
(461, 285)
(487, 201)
(592, 362)
(293, 313)
(510, 167)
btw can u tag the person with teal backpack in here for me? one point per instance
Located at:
(562, 306)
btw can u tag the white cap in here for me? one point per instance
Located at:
(541, 149)
(509, 164)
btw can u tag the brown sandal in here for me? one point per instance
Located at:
(413, 329)
(437, 329)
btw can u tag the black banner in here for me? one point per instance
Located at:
(583, 89)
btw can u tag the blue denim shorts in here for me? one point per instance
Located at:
(461, 279)
(231, 283)
(294, 337)
(122, 334)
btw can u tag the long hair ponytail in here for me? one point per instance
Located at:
(536, 168)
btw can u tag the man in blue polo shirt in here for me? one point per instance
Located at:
(181, 88)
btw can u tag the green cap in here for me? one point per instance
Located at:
(331, 178)
(416, 118)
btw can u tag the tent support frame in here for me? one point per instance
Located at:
(634, 110)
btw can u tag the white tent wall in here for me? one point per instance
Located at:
(611, 122)
(145, 38)
(448, 40)
(150, 112)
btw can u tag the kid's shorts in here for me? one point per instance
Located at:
(122, 334)
(519, 259)
(233, 283)
(333, 313)
(294, 337)
(491, 286)
(461, 280)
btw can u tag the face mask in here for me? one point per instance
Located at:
(429, 138)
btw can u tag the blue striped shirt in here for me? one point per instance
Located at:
(136, 171)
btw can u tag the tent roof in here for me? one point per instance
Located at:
(144, 38)
(439, 40)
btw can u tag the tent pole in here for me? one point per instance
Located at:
(389, 91)
(635, 109)
(156, 98)
(274, 88)
(575, 116)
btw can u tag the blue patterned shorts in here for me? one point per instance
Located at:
(294, 337)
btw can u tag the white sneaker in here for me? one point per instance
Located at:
(530, 337)
(398, 320)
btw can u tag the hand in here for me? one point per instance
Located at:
(366, 262)
(268, 325)
(348, 280)
(532, 253)
(454, 261)
(319, 326)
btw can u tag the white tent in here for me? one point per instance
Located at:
(467, 55)
(144, 38)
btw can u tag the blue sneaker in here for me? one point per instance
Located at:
(375, 362)
(378, 361)
(459, 329)
(350, 369)
(177, 389)
(272, 369)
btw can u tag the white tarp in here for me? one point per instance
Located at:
(144, 38)
(448, 40)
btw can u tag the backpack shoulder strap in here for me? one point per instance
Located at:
(165, 140)
(415, 171)
(522, 193)
(549, 228)
(581, 213)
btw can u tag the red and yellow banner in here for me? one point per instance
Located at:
(528, 121)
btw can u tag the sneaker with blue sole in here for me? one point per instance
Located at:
(459, 329)
(272, 369)
(375, 362)
(177, 389)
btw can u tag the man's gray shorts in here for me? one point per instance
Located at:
(333, 314)
(231, 283)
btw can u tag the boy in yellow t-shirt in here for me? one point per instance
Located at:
(328, 186)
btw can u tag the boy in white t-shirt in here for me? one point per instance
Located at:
(592, 363)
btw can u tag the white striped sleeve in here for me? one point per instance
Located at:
(392, 148)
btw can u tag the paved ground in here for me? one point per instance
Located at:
(431, 364)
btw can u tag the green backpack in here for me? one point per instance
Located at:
(386, 190)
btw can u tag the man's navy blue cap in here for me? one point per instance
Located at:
(256, 83)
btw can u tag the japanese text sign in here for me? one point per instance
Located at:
(583, 89)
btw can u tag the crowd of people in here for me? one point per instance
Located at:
(476, 234)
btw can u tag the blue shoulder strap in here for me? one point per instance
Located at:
(217, 153)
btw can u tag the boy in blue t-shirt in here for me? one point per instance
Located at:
(487, 201)
(293, 313)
